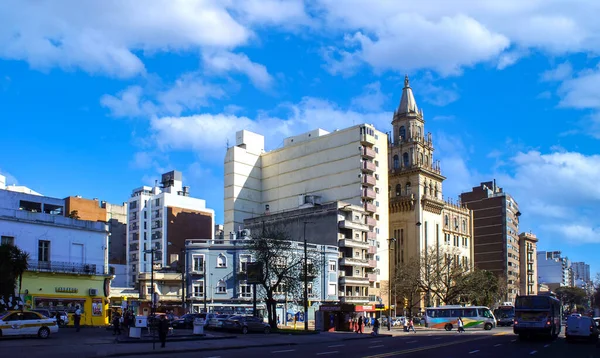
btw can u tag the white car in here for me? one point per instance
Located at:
(217, 321)
(27, 323)
(581, 327)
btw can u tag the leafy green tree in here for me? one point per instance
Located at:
(13, 264)
(572, 296)
(482, 288)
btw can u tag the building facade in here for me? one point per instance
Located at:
(420, 219)
(68, 257)
(581, 271)
(528, 263)
(348, 165)
(495, 228)
(217, 274)
(161, 219)
(554, 270)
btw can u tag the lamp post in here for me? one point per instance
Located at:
(152, 295)
(305, 278)
(390, 241)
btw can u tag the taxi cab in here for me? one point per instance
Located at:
(26, 323)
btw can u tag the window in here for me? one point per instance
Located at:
(44, 250)
(279, 289)
(245, 291)
(198, 263)
(221, 261)
(332, 265)
(145, 215)
(332, 289)
(396, 162)
(7, 240)
(376, 163)
(402, 133)
(244, 259)
(405, 159)
(446, 221)
(133, 277)
(221, 287)
(455, 224)
(198, 288)
(398, 189)
(421, 158)
(464, 226)
(309, 288)
(133, 205)
(157, 202)
(407, 192)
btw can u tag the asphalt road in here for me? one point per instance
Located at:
(496, 343)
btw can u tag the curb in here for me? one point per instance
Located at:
(182, 339)
(160, 351)
(369, 336)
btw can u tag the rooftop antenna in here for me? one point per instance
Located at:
(227, 143)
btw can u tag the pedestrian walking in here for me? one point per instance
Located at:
(461, 325)
(411, 325)
(405, 324)
(376, 327)
(116, 321)
(77, 318)
(360, 325)
(163, 330)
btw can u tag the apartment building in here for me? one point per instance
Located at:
(161, 218)
(528, 263)
(420, 217)
(348, 165)
(68, 263)
(554, 270)
(581, 271)
(495, 228)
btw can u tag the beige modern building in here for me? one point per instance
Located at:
(347, 165)
(420, 218)
(528, 261)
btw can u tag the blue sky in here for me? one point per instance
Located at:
(98, 98)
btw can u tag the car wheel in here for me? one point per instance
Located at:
(448, 327)
(244, 330)
(44, 333)
(487, 326)
(267, 330)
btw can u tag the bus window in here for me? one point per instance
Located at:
(443, 313)
(456, 313)
(469, 312)
(432, 313)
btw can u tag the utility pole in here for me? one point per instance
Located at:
(305, 279)
(183, 279)
(152, 295)
(390, 241)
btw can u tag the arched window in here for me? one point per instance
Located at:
(396, 162)
(418, 132)
(402, 133)
(427, 161)
(430, 189)
(421, 158)
(446, 221)
(455, 224)
(464, 223)
(221, 261)
(405, 159)
(221, 287)
(398, 189)
(408, 188)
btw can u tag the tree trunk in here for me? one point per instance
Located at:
(271, 307)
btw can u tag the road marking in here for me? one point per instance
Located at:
(214, 357)
(533, 352)
(376, 341)
(323, 353)
(498, 345)
(435, 339)
(434, 346)
(379, 346)
(285, 351)
(336, 345)
(500, 334)
(546, 346)
(514, 340)
(475, 351)
(412, 342)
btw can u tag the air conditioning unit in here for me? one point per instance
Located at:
(93, 292)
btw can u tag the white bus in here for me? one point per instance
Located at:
(446, 317)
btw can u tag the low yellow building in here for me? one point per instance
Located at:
(57, 291)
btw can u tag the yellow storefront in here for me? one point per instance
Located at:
(63, 292)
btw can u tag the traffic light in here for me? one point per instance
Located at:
(405, 302)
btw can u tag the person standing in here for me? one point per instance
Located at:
(163, 330)
(461, 325)
(376, 327)
(411, 325)
(360, 325)
(77, 318)
(116, 321)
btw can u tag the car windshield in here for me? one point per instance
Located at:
(223, 316)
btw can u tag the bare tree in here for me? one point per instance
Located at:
(405, 285)
(282, 267)
(441, 273)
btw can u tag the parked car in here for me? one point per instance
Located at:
(581, 327)
(27, 323)
(206, 317)
(246, 324)
(185, 321)
(217, 321)
(62, 318)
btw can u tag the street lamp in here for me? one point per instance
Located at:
(153, 293)
(306, 278)
(390, 241)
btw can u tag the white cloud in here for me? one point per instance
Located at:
(576, 234)
(372, 99)
(225, 62)
(581, 92)
(560, 73)
(128, 103)
(435, 94)
(10, 179)
(272, 12)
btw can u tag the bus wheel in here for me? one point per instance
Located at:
(448, 327)
(487, 326)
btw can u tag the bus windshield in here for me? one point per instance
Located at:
(532, 302)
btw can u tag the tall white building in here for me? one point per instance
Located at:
(161, 218)
(348, 165)
(553, 269)
(581, 271)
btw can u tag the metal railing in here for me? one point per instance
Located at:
(66, 267)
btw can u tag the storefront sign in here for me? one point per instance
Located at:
(66, 289)
(363, 308)
(329, 308)
(97, 307)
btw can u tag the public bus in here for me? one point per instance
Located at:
(538, 315)
(505, 314)
(446, 317)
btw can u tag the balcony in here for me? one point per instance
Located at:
(348, 242)
(354, 280)
(157, 235)
(348, 224)
(369, 194)
(367, 139)
(369, 166)
(349, 261)
(368, 153)
(369, 180)
(371, 221)
(372, 250)
(370, 207)
(354, 299)
(371, 235)
(156, 225)
(66, 267)
(372, 277)
(372, 263)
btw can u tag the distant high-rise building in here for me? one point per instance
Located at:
(553, 269)
(496, 227)
(581, 271)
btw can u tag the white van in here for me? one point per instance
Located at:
(581, 327)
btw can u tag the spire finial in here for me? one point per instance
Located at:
(406, 81)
